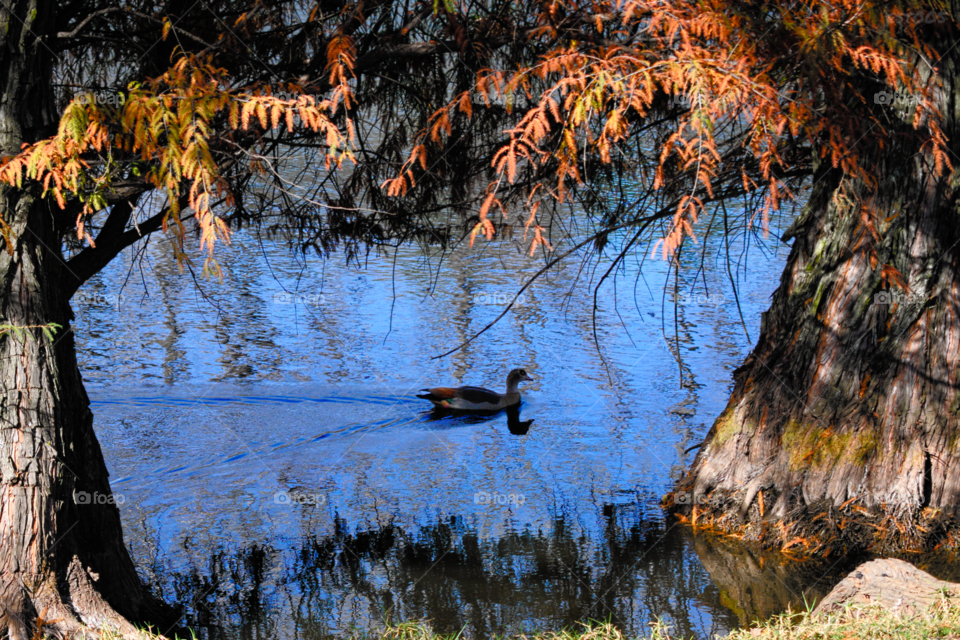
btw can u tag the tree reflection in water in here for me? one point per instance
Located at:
(453, 576)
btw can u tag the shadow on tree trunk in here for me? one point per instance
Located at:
(843, 429)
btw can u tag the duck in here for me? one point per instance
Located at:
(477, 398)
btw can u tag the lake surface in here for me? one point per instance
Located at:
(280, 479)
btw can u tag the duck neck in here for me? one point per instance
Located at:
(512, 386)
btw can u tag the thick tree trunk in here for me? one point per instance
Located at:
(62, 555)
(843, 429)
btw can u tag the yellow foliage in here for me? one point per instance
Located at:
(166, 124)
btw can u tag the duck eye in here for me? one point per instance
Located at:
(522, 372)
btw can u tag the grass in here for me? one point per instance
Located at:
(596, 631)
(941, 620)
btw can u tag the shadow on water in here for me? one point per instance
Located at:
(756, 583)
(515, 425)
(523, 581)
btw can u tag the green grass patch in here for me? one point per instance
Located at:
(941, 620)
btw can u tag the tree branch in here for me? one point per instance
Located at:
(111, 240)
(70, 34)
(86, 21)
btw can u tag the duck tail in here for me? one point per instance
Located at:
(437, 394)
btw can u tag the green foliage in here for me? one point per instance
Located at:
(21, 332)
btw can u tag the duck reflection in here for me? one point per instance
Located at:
(515, 425)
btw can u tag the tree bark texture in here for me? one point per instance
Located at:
(843, 428)
(62, 557)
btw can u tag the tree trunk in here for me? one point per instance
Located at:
(843, 429)
(62, 557)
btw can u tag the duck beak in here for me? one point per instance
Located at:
(528, 378)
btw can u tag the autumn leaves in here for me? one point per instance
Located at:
(755, 82)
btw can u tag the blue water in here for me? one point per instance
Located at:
(279, 476)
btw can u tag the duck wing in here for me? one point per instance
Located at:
(478, 395)
(473, 395)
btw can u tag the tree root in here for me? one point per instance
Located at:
(817, 529)
(76, 610)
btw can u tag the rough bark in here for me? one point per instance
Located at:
(62, 557)
(843, 428)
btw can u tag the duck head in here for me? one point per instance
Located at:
(515, 377)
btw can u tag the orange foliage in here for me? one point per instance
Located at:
(753, 78)
(167, 124)
(341, 56)
(773, 71)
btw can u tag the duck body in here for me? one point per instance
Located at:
(476, 398)
(469, 398)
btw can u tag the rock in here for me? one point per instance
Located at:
(892, 584)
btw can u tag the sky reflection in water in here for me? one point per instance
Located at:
(280, 477)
